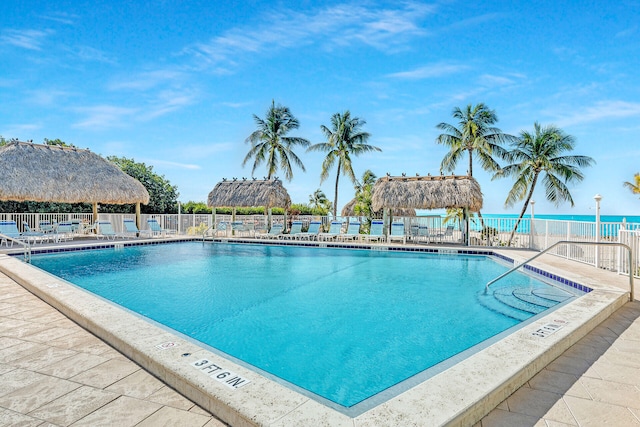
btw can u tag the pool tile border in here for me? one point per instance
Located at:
(458, 396)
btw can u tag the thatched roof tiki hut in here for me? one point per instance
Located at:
(429, 192)
(249, 193)
(47, 173)
(349, 210)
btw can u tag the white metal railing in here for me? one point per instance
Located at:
(569, 242)
(537, 234)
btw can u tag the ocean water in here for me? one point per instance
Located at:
(577, 225)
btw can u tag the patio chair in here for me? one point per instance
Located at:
(311, 233)
(352, 233)
(46, 227)
(221, 228)
(447, 235)
(155, 228)
(334, 231)
(397, 233)
(274, 232)
(105, 230)
(9, 229)
(33, 235)
(76, 226)
(296, 229)
(423, 234)
(376, 232)
(63, 231)
(131, 229)
(239, 228)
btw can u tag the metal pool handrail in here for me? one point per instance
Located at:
(565, 242)
(26, 246)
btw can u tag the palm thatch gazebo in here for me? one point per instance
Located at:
(269, 193)
(429, 192)
(48, 173)
(349, 210)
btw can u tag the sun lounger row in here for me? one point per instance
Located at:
(66, 230)
(352, 233)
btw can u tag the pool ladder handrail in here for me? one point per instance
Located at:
(567, 242)
(26, 247)
(204, 233)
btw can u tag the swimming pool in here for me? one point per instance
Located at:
(342, 324)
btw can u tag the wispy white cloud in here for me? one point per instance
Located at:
(88, 53)
(600, 111)
(236, 104)
(60, 17)
(27, 39)
(173, 164)
(629, 32)
(166, 102)
(111, 116)
(201, 151)
(147, 80)
(337, 26)
(21, 131)
(104, 116)
(491, 80)
(48, 97)
(429, 71)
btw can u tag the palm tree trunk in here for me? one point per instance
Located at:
(470, 173)
(335, 200)
(524, 208)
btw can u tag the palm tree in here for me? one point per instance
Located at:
(542, 152)
(344, 139)
(270, 144)
(364, 194)
(635, 186)
(319, 202)
(474, 134)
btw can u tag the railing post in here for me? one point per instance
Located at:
(597, 198)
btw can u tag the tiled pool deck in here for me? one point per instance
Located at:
(54, 372)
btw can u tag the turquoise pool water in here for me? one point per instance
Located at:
(341, 324)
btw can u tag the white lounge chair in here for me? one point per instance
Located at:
(311, 233)
(352, 233)
(131, 229)
(274, 232)
(397, 233)
(334, 231)
(155, 228)
(105, 230)
(63, 231)
(296, 228)
(10, 230)
(33, 236)
(376, 232)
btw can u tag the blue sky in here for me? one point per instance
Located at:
(175, 84)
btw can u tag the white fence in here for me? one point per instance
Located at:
(536, 234)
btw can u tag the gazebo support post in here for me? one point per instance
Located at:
(95, 214)
(233, 218)
(465, 232)
(138, 219)
(385, 220)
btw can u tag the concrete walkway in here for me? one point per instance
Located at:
(54, 373)
(594, 383)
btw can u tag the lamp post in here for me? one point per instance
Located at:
(597, 198)
(531, 233)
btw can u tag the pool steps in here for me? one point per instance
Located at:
(521, 303)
